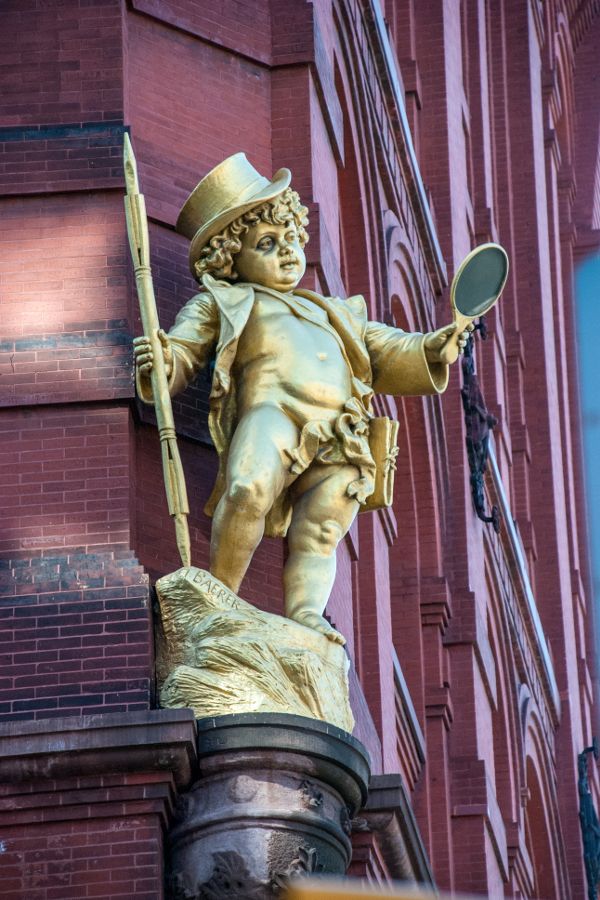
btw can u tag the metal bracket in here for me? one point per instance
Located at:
(588, 818)
(479, 423)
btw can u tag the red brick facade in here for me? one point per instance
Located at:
(414, 130)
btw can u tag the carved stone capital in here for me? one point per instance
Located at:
(273, 803)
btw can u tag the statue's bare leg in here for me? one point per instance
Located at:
(322, 515)
(257, 473)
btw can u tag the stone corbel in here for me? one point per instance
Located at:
(388, 816)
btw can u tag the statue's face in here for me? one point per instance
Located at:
(271, 255)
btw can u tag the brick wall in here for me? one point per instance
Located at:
(314, 87)
(65, 331)
(62, 98)
(76, 635)
(65, 479)
(92, 856)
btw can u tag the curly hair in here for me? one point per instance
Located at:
(217, 257)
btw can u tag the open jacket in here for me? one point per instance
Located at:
(382, 359)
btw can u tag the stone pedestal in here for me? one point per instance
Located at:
(274, 801)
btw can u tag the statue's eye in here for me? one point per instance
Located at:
(265, 243)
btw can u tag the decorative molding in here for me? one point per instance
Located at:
(388, 73)
(438, 704)
(584, 14)
(230, 879)
(435, 602)
(148, 741)
(409, 718)
(305, 863)
(379, 104)
(115, 129)
(482, 802)
(84, 156)
(526, 607)
(320, 253)
(519, 862)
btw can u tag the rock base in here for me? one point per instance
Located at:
(218, 655)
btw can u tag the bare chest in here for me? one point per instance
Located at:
(284, 353)
(278, 330)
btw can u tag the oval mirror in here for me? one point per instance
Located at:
(479, 281)
(476, 286)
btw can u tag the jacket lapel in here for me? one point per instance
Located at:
(235, 303)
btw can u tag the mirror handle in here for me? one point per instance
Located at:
(462, 322)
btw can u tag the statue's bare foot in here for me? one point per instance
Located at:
(313, 620)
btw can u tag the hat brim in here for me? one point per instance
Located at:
(280, 181)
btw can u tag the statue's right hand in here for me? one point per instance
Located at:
(144, 358)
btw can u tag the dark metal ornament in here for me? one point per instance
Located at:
(479, 422)
(590, 826)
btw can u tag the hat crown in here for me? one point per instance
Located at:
(227, 186)
(229, 190)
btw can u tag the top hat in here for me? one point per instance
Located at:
(228, 191)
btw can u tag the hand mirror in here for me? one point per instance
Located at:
(477, 284)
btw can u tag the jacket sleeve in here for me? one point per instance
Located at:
(399, 364)
(193, 339)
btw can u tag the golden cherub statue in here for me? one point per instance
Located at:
(294, 376)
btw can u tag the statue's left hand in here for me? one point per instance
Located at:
(439, 348)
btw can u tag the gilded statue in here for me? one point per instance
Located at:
(294, 375)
